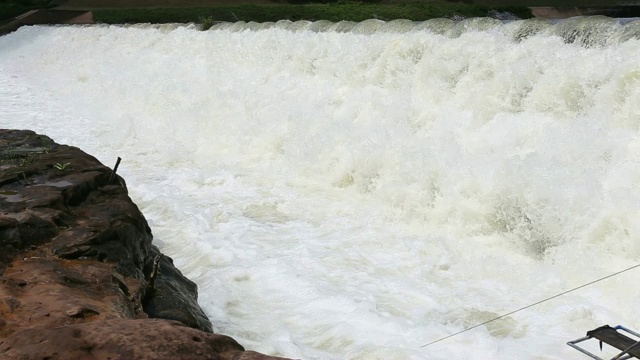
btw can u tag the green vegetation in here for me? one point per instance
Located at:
(12, 8)
(20, 156)
(149, 11)
(554, 3)
(207, 22)
(418, 10)
(60, 166)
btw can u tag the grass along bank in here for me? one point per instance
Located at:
(348, 11)
(556, 3)
(198, 11)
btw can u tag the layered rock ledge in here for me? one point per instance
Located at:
(80, 277)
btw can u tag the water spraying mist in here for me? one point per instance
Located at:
(357, 190)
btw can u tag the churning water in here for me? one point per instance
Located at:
(355, 191)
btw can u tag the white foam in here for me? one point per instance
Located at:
(350, 195)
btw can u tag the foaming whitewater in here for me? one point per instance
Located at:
(357, 190)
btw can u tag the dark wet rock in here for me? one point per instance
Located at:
(167, 298)
(79, 275)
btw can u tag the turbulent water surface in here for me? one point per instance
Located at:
(355, 191)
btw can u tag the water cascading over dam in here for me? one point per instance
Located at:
(357, 190)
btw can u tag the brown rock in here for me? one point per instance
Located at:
(123, 339)
(80, 278)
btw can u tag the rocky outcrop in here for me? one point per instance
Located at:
(80, 276)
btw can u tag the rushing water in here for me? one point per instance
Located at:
(355, 191)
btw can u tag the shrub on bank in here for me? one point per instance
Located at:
(333, 12)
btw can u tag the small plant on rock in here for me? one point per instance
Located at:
(60, 166)
(207, 22)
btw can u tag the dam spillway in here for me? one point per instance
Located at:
(357, 190)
